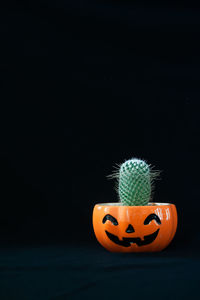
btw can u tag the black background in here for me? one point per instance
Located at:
(86, 85)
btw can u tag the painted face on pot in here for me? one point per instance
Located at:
(134, 228)
(127, 241)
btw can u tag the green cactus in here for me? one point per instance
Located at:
(135, 182)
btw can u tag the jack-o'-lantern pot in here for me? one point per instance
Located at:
(147, 228)
(136, 223)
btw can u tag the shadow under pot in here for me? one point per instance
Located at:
(147, 228)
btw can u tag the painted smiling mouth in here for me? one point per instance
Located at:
(126, 242)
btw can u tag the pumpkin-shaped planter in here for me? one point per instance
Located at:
(135, 224)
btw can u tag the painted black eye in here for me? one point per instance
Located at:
(152, 217)
(111, 219)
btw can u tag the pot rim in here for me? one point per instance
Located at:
(148, 205)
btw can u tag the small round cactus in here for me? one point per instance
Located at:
(135, 182)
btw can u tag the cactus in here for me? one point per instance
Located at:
(135, 182)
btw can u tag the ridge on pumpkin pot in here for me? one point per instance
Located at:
(135, 224)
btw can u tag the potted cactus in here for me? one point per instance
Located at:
(135, 223)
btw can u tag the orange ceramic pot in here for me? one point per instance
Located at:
(147, 228)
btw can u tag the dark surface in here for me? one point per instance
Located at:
(86, 85)
(88, 272)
